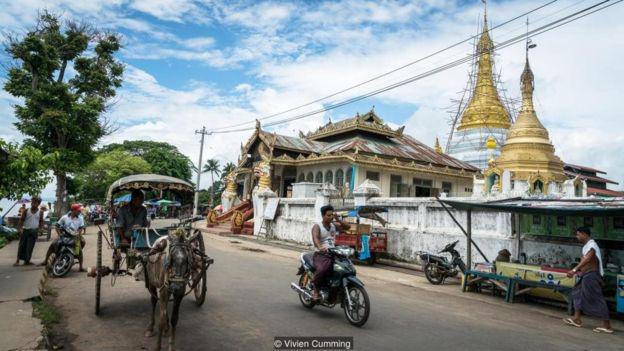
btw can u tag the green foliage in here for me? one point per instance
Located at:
(94, 180)
(163, 158)
(62, 114)
(227, 168)
(24, 172)
(213, 167)
(48, 314)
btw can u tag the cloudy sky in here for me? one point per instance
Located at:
(211, 63)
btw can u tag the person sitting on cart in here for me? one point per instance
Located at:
(130, 215)
(323, 238)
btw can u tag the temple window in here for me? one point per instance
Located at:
(339, 177)
(447, 187)
(310, 177)
(329, 177)
(422, 187)
(588, 221)
(319, 177)
(349, 177)
(397, 188)
(372, 175)
(561, 221)
(301, 178)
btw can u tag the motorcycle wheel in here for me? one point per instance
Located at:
(62, 265)
(433, 275)
(305, 301)
(358, 315)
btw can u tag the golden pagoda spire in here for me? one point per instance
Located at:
(528, 152)
(437, 146)
(485, 109)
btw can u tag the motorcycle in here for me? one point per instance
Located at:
(342, 287)
(438, 268)
(67, 252)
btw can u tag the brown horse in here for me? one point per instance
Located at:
(168, 271)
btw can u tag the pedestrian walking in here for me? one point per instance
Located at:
(30, 222)
(587, 294)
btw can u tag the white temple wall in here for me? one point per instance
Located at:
(421, 224)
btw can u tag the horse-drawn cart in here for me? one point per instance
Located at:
(131, 258)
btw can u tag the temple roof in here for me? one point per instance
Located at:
(382, 141)
(369, 123)
(485, 109)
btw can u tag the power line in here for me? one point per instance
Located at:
(520, 38)
(386, 73)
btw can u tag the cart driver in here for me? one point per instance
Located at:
(130, 215)
(323, 238)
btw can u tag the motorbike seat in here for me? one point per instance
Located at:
(307, 259)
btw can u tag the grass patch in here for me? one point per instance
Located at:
(47, 313)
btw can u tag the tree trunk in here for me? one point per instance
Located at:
(212, 190)
(60, 207)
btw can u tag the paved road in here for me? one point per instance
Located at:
(249, 302)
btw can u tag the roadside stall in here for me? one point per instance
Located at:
(367, 240)
(548, 221)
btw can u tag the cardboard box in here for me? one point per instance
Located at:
(362, 228)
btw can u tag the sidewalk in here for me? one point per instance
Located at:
(389, 274)
(19, 330)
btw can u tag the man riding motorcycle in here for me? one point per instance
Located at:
(323, 238)
(74, 223)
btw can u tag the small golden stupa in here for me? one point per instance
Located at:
(528, 153)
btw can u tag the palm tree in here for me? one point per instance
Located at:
(229, 167)
(213, 167)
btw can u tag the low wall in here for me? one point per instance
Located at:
(421, 224)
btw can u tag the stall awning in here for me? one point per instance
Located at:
(562, 207)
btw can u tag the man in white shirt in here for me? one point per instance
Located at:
(30, 222)
(74, 223)
(587, 293)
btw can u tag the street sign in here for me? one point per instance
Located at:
(271, 208)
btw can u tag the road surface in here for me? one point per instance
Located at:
(249, 302)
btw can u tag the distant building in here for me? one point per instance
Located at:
(596, 185)
(348, 152)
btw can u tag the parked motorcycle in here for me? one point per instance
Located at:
(67, 252)
(343, 286)
(438, 268)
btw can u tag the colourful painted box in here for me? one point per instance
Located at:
(537, 274)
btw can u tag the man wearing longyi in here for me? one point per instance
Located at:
(587, 293)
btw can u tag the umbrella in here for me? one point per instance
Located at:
(123, 198)
(152, 202)
(164, 202)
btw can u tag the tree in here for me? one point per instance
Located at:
(93, 181)
(62, 112)
(213, 167)
(163, 158)
(229, 167)
(22, 170)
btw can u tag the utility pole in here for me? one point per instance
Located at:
(203, 133)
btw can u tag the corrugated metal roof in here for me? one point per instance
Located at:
(404, 147)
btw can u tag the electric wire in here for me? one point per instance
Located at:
(388, 72)
(519, 38)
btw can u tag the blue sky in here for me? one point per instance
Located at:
(192, 63)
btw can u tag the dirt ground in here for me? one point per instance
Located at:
(249, 302)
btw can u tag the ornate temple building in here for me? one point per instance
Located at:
(485, 117)
(348, 152)
(527, 161)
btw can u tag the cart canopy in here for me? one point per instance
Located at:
(149, 182)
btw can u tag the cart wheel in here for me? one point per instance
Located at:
(98, 277)
(200, 287)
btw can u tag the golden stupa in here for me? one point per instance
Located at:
(528, 152)
(485, 109)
